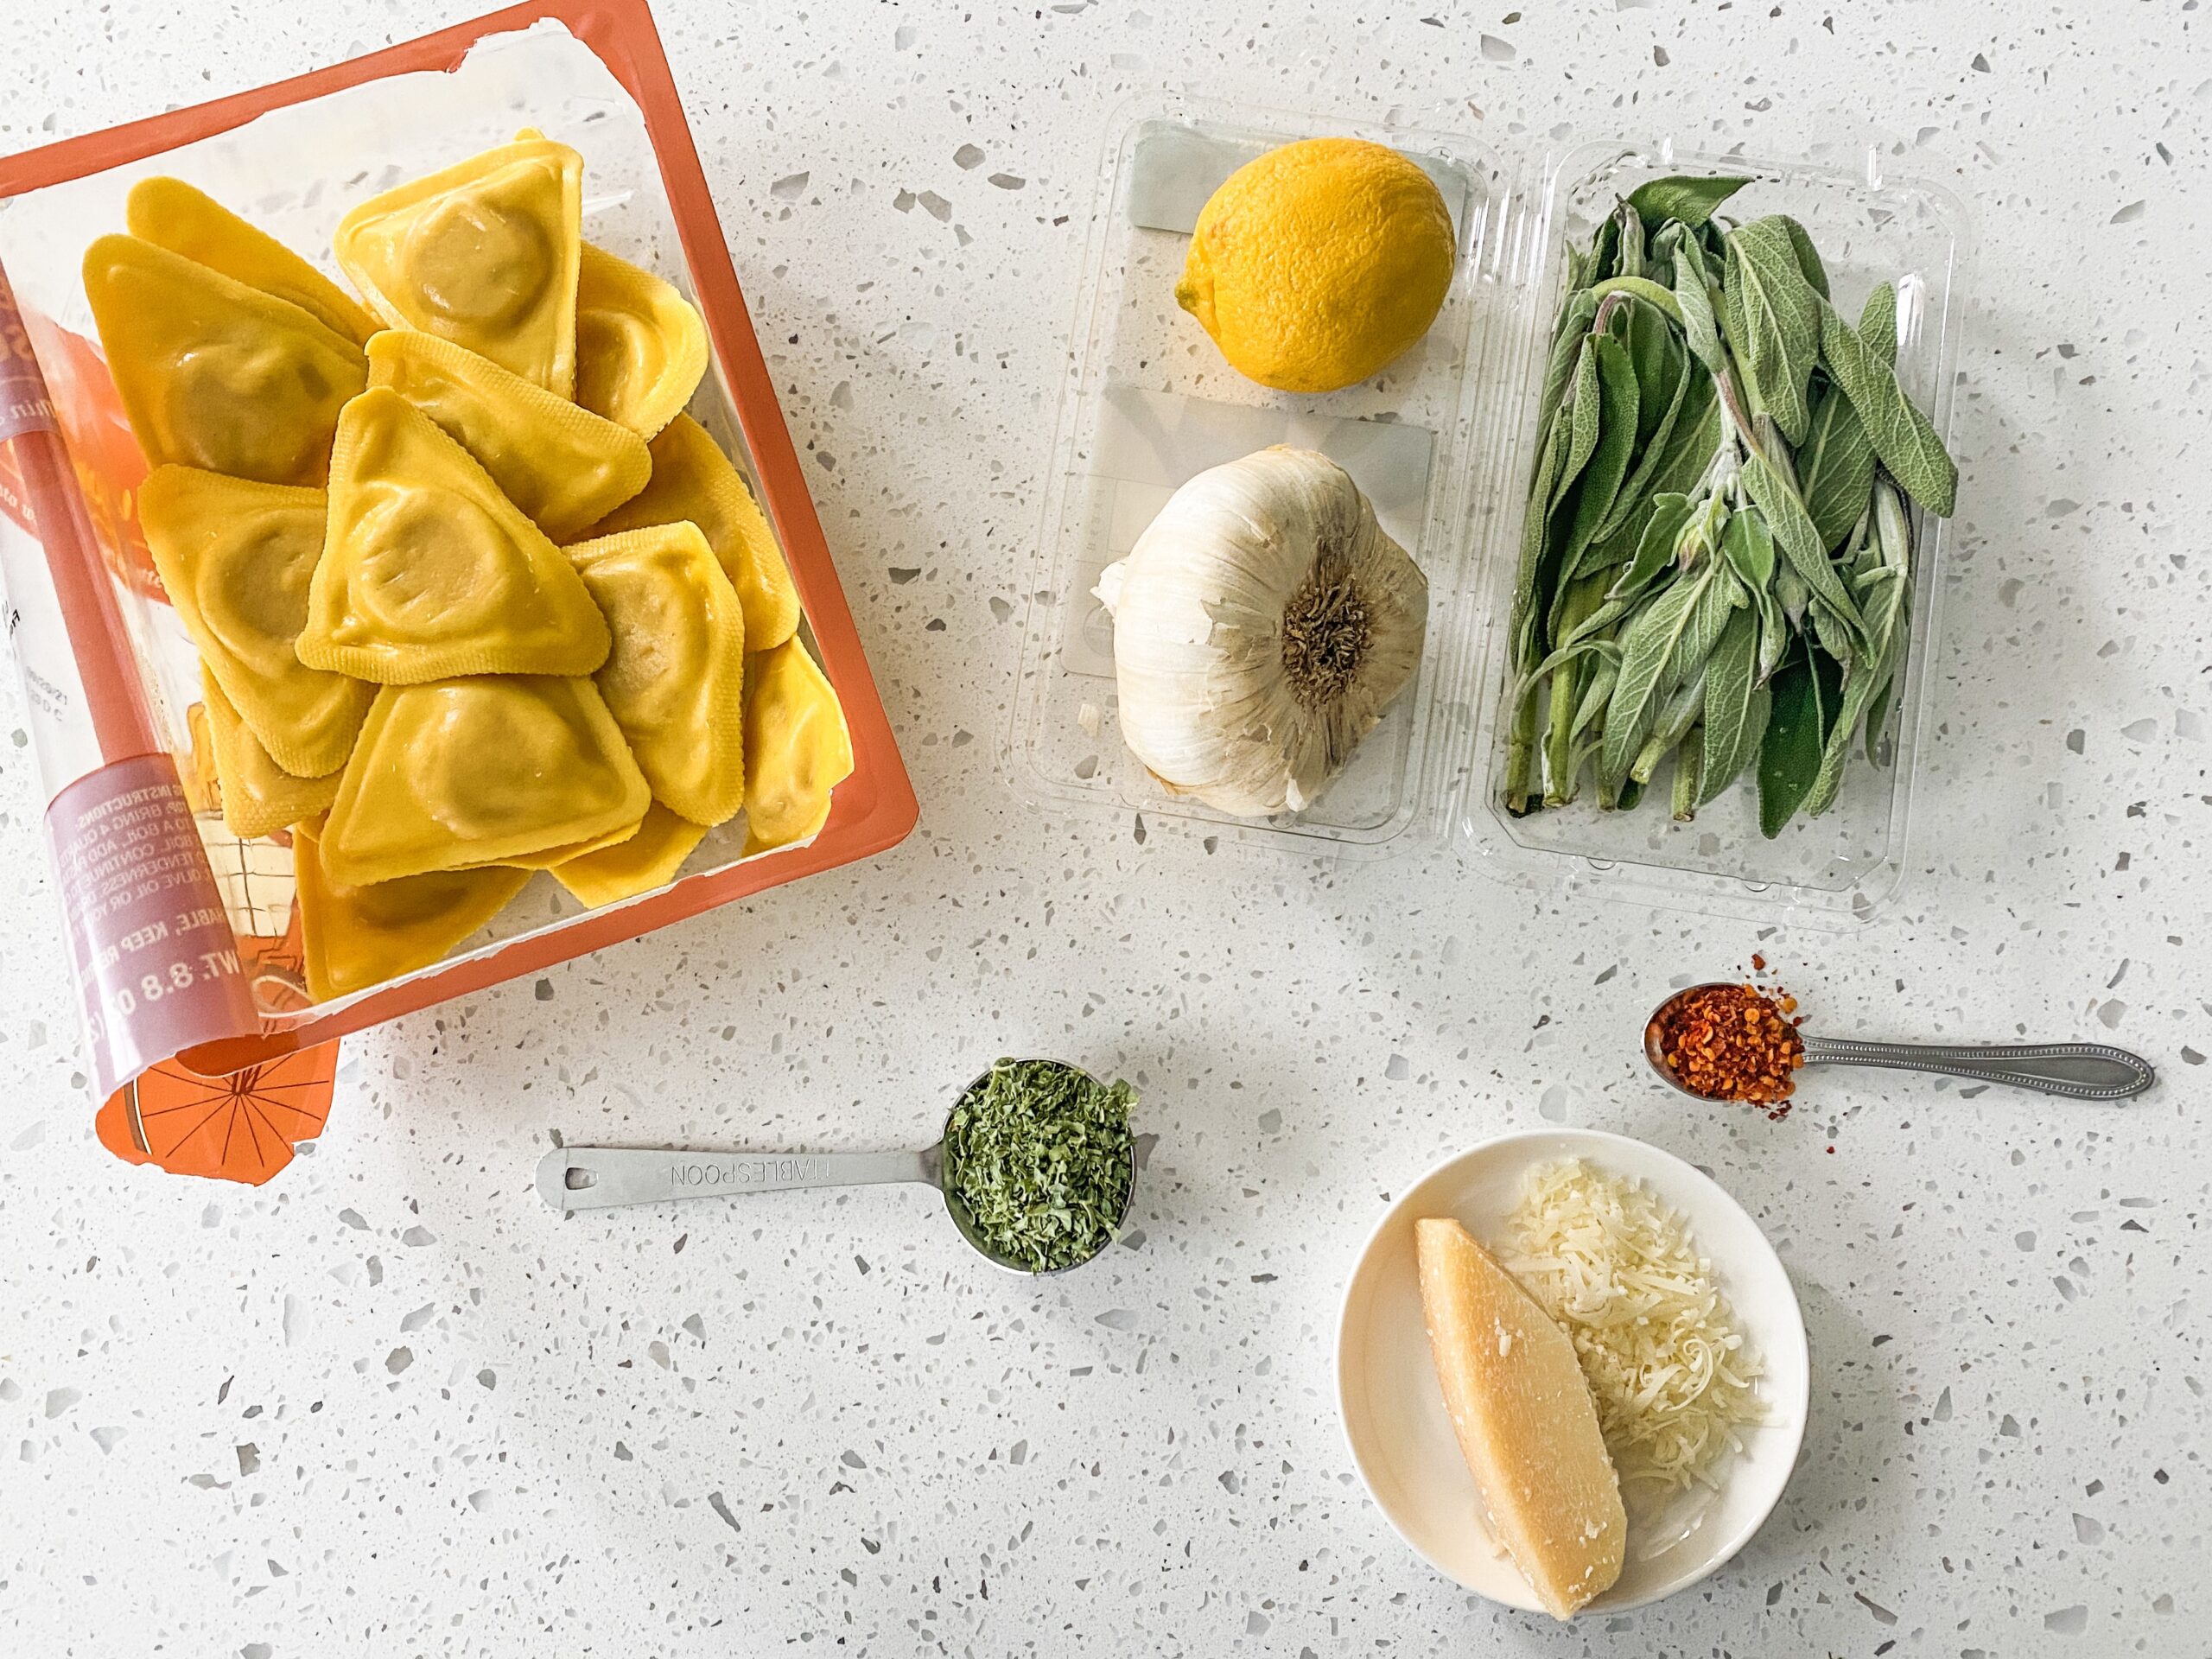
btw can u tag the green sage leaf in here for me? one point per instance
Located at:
(1793, 532)
(1687, 198)
(1781, 315)
(1808, 257)
(1691, 441)
(1596, 694)
(1700, 326)
(1792, 594)
(1835, 465)
(1655, 550)
(1805, 690)
(1583, 419)
(1692, 438)
(1579, 310)
(1708, 621)
(1654, 350)
(1535, 536)
(1603, 246)
(1613, 448)
(1877, 323)
(1581, 272)
(1903, 437)
(1859, 691)
(1649, 642)
(1628, 260)
(1731, 684)
(1835, 636)
(1748, 545)
(1676, 715)
(1660, 299)
(1671, 368)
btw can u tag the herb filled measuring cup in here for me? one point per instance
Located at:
(1036, 1164)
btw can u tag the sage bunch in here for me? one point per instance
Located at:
(1716, 564)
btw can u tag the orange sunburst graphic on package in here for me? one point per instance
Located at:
(238, 1128)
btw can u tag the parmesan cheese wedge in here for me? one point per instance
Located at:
(1526, 1423)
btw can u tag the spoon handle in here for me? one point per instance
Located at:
(599, 1178)
(2078, 1071)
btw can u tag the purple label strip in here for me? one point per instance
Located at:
(157, 963)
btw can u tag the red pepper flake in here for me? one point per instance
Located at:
(1733, 1042)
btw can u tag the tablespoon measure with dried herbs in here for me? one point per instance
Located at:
(1036, 1164)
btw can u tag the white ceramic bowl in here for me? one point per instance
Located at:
(1393, 1410)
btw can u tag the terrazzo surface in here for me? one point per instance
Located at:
(388, 1405)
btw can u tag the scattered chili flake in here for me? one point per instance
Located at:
(1733, 1042)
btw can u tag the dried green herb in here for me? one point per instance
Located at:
(1716, 563)
(1037, 1154)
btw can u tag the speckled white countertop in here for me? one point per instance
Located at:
(387, 1405)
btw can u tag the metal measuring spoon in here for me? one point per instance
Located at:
(2078, 1071)
(601, 1178)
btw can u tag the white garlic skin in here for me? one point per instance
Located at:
(1200, 607)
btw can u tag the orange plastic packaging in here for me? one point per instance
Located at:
(232, 1107)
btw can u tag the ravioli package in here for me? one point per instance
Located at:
(412, 521)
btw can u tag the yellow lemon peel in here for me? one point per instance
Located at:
(1316, 264)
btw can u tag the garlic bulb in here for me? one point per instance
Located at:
(1262, 624)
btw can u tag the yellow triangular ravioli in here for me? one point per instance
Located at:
(553, 857)
(428, 571)
(258, 795)
(565, 466)
(484, 253)
(354, 937)
(172, 214)
(797, 748)
(215, 374)
(646, 861)
(640, 345)
(479, 771)
(236, 559)
(675, 680)
(693, 480)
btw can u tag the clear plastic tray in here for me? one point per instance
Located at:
(1833, 869)
(1441, 441)
(1150, 404)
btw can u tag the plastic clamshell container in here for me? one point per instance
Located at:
(1441, 441)
(1150, 404)
(1829, 871)
(292, 157)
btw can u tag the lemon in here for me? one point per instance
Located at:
(1314, 265)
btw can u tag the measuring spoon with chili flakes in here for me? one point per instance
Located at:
(1734, 1042)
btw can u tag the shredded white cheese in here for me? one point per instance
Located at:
(1667, 1364)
